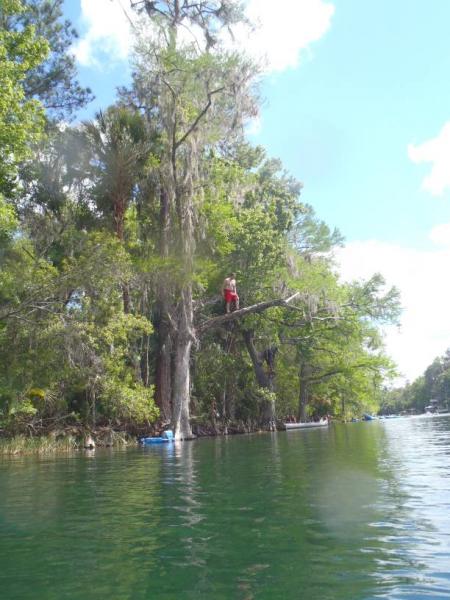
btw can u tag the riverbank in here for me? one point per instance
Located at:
(75, 439)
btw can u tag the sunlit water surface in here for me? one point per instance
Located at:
(359, 511)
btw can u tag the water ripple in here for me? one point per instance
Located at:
(357, 512)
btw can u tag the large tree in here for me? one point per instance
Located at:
(196, 95)
(117, 149)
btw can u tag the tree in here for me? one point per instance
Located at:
(52, 81)
(69, 340)
(118, 150)
(196, 97)
(21, 119)
(433, 384)
(137, 216)
(338, 338)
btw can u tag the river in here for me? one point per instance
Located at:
(357, 511)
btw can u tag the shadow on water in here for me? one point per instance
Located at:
(356, 511)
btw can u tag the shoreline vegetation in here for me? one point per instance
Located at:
(117, 233)
(78, 438)
(74, 439)
(63, 441)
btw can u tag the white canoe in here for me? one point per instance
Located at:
(322, 423)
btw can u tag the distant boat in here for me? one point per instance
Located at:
(309, 425)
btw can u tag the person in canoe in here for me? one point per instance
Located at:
(229, 292)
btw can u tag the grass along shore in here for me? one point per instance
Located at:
(62, 443)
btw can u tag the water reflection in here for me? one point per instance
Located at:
(76, 524)
(417, 454)
(358, 511)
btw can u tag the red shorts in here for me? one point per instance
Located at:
(230, 296)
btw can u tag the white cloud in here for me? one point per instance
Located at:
(425, 295)
(282, 33)
(108, 37)
(284, 30)
(437, 152)
(440, 234)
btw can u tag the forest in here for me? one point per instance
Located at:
(116, 235)
(430, 391)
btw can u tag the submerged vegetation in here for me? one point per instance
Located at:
(116, 235)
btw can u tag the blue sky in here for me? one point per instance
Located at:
(357, 97)
(342, 121)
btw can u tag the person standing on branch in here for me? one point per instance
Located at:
(229, 292)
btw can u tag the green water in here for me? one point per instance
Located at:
(358, 511)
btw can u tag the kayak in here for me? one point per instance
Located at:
(367, 417)
(166, 438)
(155, 440)
(323, 423)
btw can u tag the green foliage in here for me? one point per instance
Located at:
(8, 222)
(21, 118)
(54, 80)
(310, 235)
(370, 298)
(124, 402)
(115, 152)
(259, 249)
(69, 337)
(431, 387)
(127, 218)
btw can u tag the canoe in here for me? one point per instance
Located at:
(323, 423)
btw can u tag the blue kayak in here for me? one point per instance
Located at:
(166, 438)
(367, 417)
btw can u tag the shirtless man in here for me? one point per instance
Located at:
(229, 292)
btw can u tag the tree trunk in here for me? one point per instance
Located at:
(258, 366)
(163, 371)
(269, 357)
(181, 379)
(145, 343)
(305, 372)
(263, 379)
(163, 376)
(185, 331)
(145, 371)
(126, 298)
(119, 220)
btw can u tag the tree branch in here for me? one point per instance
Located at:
(201, 114)
(242, 312)
(338, 370)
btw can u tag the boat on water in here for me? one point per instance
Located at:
(309, 425)
(166, 438)
(367, 417)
